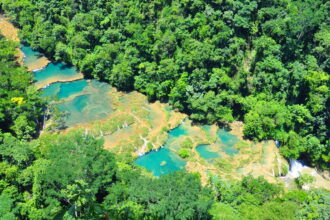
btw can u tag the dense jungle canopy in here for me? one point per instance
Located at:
(265, 62)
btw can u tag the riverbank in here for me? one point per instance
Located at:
(9, 31)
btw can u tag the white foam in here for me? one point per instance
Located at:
(296, 168)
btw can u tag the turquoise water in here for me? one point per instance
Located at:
(62, 90)
(177, 132)
(205, 152)
(77, 104)
(30, 56)
(228, 141)
(227, 138)
(56, 70)
(161, 162)
(90, 105)
(153, 160)
(82, 101)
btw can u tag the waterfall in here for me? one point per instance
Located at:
(277, 143)
(296, 168)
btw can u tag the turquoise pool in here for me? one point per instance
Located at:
(62, 90)
(206, 153)
(161, 162)
(30, 56)
(56, 70)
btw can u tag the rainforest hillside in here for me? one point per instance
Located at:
(264, 62)
(71, 176)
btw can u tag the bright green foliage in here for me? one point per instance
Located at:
(55, 175)
(249, 191)
(187, 143)
(257, 199)
(6, 206)
(264, 62)
(184, 153)
(20, 105)
(304, 179)
(316, 206)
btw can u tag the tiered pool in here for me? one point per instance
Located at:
(206, 153)
(84, 101)
(166, 160)
(56, 70)
(161, 162)
(62, 90)
(228, 141)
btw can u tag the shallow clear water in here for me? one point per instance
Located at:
(177, 132)
(152, 160)
(76, 105)
(56, 70)
(91, 104)
(161, 162)
(62, 90)
(30, 56)
(81, 101)
(205, 152)
(227, 138)
(228, 141)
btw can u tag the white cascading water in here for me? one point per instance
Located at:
(296, 168)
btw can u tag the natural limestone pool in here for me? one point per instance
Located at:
(82, 101)
(85, 101)
(30, 56)
(228, 141)
(161, 162)
(55, 72)
(62, 90)
(206, 153)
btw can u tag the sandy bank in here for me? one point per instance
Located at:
(9, 31)
(42, 84)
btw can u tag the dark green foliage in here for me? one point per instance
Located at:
(72, 176)
(174, 196)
